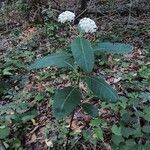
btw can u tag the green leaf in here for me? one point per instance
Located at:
(118, 48)
(130, 142)
(146, 146)
(65, 101)
(28, 115)
(117, 139)
(99, 133)
(137, 133)
(4, 132)
(8, 71)
(101, 89)
(86, 135)
(90, 109)
(83, 53)
(145, 96)
(16, 144)
(16, 106)
(95, 122)
(126, 132)
(39, 97)
(116, 130)
(58, 60)
(146, 128)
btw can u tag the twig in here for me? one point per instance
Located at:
(82, 13)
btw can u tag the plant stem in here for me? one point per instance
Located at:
(73, 113)
(74, 31)
(129, 17)
(68, 135)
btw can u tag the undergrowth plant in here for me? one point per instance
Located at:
(80, 60)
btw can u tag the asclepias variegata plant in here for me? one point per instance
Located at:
(82, 55)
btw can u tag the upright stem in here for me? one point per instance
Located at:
(68, 135)
(73, 113)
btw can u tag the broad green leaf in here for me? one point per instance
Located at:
(90, 109)
(83, 53)
(116, 130)
(99, 133)
(4, 132)
(114, 48)
(101, 89)
(59, 60)
(65, 101)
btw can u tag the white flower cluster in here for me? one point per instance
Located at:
(66, 16)
(87, 25)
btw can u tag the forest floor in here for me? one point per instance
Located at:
(23, 41)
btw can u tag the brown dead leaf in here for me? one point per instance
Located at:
(84, 147)
(117, 79)
(77, 125)
(33, 139)
(28, 87)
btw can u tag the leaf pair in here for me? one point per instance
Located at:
(67, 99)
(83, 54)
